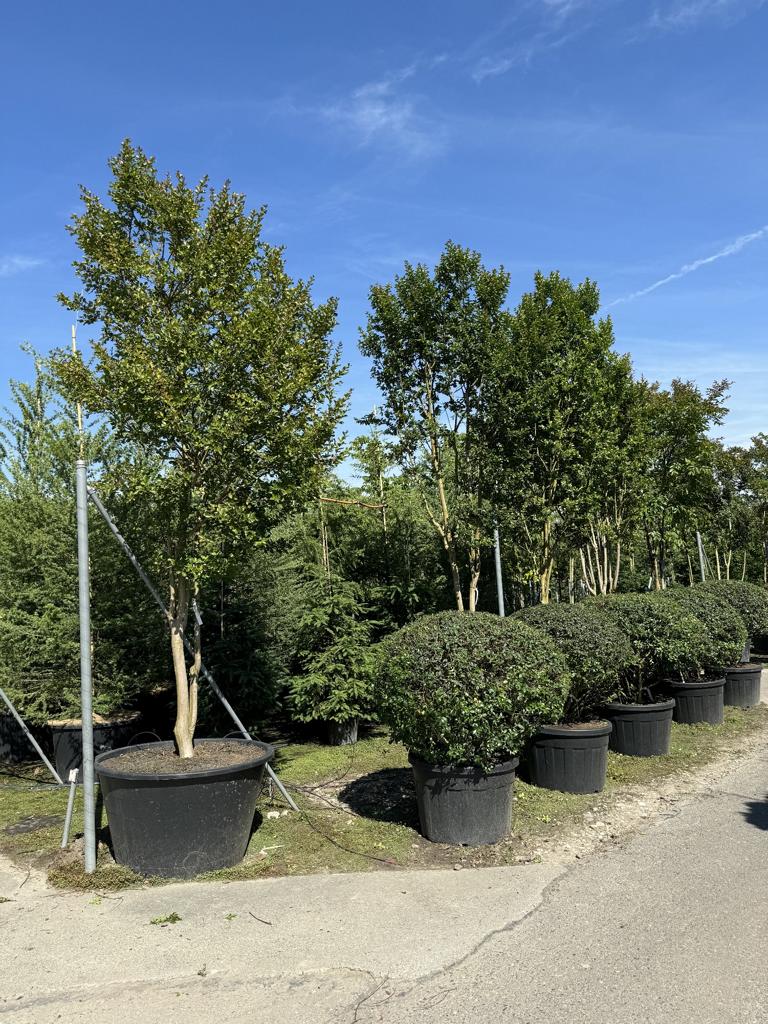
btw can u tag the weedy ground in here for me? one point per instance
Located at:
(358, 811)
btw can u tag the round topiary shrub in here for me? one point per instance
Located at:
(596, 651)
(667, 639)
(468, 690)
(748, 600)
(724, 633)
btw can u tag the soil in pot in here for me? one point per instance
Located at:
(67, 739)
(640, 730)
(177, 817)
(464, 806)
(570, 758)
(742, 686)
(342, 734)
(698, 701)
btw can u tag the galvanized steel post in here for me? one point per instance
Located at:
(497, 558)
(86, 688)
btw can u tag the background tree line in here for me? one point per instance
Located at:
(525, 419)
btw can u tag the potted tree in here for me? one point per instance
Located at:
(750, 601)
(333, 684)
(699, 687)
(664, 638)
(571, 754)
(464, 693)
(216, 373)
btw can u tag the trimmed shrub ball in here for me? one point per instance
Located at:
(468, 689)
(599, 656)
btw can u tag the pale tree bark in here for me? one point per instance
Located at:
(547, 563)
(600, 568)
(186, 679)
(474, 570)
(441, 521)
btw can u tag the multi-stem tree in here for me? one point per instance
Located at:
(432, 339)
(552, 421)
(211, 365)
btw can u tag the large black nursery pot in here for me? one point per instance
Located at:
(742, 686)
(14, 744)
(67, 740)
(698, 701)
(464, 806)
(641, 730)
(746, 654)
(342, 734)
(177, 825)
(570, 758)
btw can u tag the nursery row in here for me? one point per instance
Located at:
(469, 696)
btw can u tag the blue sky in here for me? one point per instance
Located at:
(625, 140)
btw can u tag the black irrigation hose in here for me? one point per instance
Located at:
(346, 849)
(312, 790)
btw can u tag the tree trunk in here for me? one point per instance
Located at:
(545, 579)
(456, 580)
(186, 695)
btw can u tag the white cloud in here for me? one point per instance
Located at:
(378, 112)
(519, 55)
(540, 29)
(684, 14)
(10, 265)
(728, 250)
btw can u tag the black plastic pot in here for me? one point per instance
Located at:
(464, 806)
(177, 826)
(746, 654)
(698, 701)
(68, 741)
(640, 730)
(14, 745)
(742, 686)
(570, 759)
(341, 734)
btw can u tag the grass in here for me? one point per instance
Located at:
(358, 811)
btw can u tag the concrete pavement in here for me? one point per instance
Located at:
(668, 922)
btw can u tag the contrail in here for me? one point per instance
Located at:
(729, 250)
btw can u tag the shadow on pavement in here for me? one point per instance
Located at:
(756, 813)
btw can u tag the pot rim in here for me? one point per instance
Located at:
(696, 684)
(267, 752)
(99, 721)
(574, 730)
(501, 768)
(659, 705)
(744, 668)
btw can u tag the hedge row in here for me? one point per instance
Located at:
(472, 689)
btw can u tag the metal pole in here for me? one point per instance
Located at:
(497, 559)
(203, 670)
(701, 556)
(86, 688)
(70, 808)
(31, 738)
